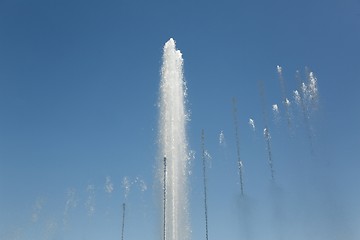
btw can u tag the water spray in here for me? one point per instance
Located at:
(310, 92)
(240, 164)
(266, 129)
(205, 185)
(123, 222)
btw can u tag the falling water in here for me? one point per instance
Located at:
(173, 144)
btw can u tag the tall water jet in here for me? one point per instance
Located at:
(173, 145)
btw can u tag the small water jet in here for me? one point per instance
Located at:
(266, 133)
(204, 155)
(126, 186)
(240, 163)
(286, 101)
(267, 138)
(123, 222)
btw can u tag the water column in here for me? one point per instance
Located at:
(173, 145)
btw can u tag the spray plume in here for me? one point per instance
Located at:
(204, 156)
(240, 164)
(309, 91)
(312, 92)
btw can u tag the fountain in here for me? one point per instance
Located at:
(173, 146)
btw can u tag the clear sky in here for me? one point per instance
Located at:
(78, 113)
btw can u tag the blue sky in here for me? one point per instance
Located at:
(78, 103)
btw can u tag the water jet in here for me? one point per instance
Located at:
(173, 144)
